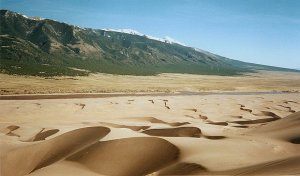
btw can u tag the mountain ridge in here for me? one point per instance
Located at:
(44, 47)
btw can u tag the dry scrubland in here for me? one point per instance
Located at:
(99, 83)
(170, 134)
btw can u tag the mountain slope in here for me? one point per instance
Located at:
(46, 47)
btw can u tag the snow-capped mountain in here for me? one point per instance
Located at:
(51, 48)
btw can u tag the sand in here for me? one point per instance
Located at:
(220, 134)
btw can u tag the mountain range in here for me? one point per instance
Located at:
(44, 47)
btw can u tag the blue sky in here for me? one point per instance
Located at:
(258, 31)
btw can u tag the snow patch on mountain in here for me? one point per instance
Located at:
(165, 39)
(127, 31)
(171, 40)
(24, 16)
(32, 18)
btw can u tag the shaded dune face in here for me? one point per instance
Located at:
(35, 156)
(295, 140)
(155, 120)
(9, 130)
(175, 132)
(244, 123)
(268, 113)
(273, 116)
(12, 130)
(129, 156)
(258, 121)
(42, 135)
(218, 123)
(180, 132)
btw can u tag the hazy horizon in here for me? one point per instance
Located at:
(265, 32)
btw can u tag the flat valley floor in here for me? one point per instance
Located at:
(155, 135)
(164, 83)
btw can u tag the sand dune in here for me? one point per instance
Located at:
(196, 135)
(45, 153)
(129, 156)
